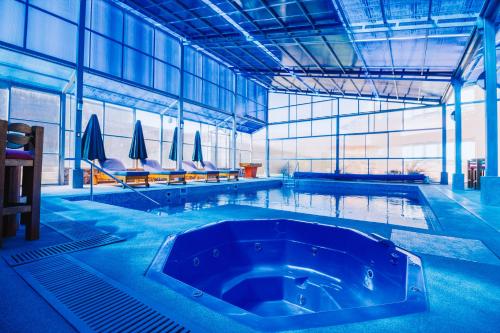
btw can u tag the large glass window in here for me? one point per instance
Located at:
(372, 137)
(40, 109)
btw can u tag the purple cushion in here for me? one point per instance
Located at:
(151, 165)
(209, 166)
(16, 154)
(112, 164)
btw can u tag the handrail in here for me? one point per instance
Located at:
(93, 165)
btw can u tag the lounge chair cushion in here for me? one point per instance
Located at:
(112, 164)
(209, 166)
(16, 154)
(168, 173)
(151, 165)
(129, 173)
(192, 169)
(204, 172)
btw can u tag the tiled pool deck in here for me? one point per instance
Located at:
(461, 261)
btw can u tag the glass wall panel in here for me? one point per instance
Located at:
(357, 124)
(322, 127)
(119, 121)
(137, 67)
(4, 103)
(65, 8)
(371, 140)
(167, 48)
(12, 22)
(118, 147)
(50, 35)
(106, 55)
(40, 109)
(151, 124)
(138, 34)
(107, 19)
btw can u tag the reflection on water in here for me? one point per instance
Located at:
(394, 208)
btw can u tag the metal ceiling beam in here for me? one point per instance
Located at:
(276, 33)
(250, 20)
(388, 98)
(249, 37)
(451, 21)
(282, 24)
(382, 74)
(311, 22)
(473, 44)
(381, 2)
(343, 18)
(191, 26)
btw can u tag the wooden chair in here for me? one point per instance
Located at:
(29, 160)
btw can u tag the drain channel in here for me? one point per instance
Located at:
(90, 301)
(24, 257)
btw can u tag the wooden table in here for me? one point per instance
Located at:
(250, 169)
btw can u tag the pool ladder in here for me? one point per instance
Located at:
(288, 178)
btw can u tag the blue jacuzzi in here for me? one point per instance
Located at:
(286, 274)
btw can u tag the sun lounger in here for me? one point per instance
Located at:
(116, 168)
(156, 172)
(227, 173)
(205, 175)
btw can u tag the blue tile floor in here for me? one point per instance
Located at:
(463, 288)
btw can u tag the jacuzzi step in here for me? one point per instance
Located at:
(92, 302)
(27, 256)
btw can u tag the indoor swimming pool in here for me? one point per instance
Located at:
(396, 208)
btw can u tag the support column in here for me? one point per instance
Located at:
(337, 140)
(490, 184)
(62, 138)
(458, 176)
(161, 139)
(216, 150)
(444, 173)
(77, 170)
(268, 173)
(233, 143)
(180, 114)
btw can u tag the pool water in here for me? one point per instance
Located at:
(397, 208)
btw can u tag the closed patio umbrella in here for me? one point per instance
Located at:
(173, 149)
(138, 146)
(92, 144)
(197, 153)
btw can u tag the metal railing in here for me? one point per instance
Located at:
(93, 165)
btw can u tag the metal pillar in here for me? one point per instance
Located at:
(491, 99)
(161, 139)
(444, 173)
(268, 173)
(216, 152)
(490, 184)
(233, 143)
(337, 140)
(180, 114)
(458, 176)
(62, 138)
(77, 171)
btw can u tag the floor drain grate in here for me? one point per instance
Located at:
(75, 230)
(92, 302)
(27, 256)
